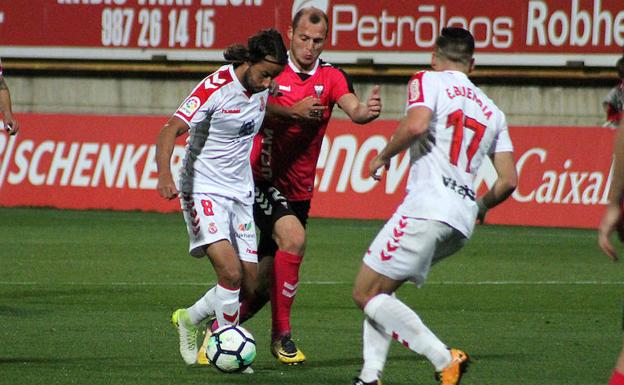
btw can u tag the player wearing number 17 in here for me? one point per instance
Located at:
(449, 128)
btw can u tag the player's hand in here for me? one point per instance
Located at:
(374, 103)
(609, 222)
(274, 89)
(166, 188)
(375, 165)
(308, 109)
(11, 125)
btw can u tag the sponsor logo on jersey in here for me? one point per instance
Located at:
(266, 153)
(284, 88)
(244, 227)
(247, 128)
(226, 111)
(191, 105)
(212, 228)
(251, 251)
(464, 191)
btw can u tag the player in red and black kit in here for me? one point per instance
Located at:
(284, 161)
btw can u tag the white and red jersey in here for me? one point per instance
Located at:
(286, 153)
(465, 127)
(223, 119)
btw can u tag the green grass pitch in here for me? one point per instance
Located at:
(85, 298)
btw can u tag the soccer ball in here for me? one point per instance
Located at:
(231, 348)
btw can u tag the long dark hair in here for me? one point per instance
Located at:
(267, 42)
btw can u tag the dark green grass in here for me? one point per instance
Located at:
(85, 298)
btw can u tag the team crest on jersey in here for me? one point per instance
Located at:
(318, 90)
(212, 228)
(190, 105)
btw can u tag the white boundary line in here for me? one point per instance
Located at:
(322, 283)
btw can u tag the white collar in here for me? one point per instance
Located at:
(297, 70)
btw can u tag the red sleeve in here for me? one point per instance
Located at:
(341, 84)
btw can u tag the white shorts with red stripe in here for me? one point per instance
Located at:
(405, 248)
(211, 218)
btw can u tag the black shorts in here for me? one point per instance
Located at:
(269, 206)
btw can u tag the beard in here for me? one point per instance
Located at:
(248, 84)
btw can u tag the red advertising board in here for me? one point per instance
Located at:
(564, 175)
(107, 162)
(531, 32)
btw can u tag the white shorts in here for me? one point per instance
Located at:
(405, 248)
(211, 218)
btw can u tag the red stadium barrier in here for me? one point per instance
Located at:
(107, 162)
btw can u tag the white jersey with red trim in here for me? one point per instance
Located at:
(223, 119)
(465, 127)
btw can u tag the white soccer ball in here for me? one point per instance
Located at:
(231, 348)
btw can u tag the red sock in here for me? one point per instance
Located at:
(617, 378)
(283, 290)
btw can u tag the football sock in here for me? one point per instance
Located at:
(204, 307)
(617, 378)
(375, 348)
(227, 305)
(404, 325)
(283, 289)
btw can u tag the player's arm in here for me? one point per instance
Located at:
(413, 126)
(504, 185)
(613, 212)
(306, 109)
(164, 149)
(359, 112)
(10, 124)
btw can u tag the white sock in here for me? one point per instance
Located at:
(375, 348)
(227, 306)
(204, 307)
(404, 325)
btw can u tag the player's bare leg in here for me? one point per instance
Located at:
(248, 290)
(373, 294)
(253, 304)
(221, 301)
(229, 272)
(289, 234)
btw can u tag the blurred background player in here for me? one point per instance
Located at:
(612, 221)
(449, 128)
(222, 115)
(10, 124)
(613, 103)
(284, 162)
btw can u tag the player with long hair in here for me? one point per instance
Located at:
(222, 115)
